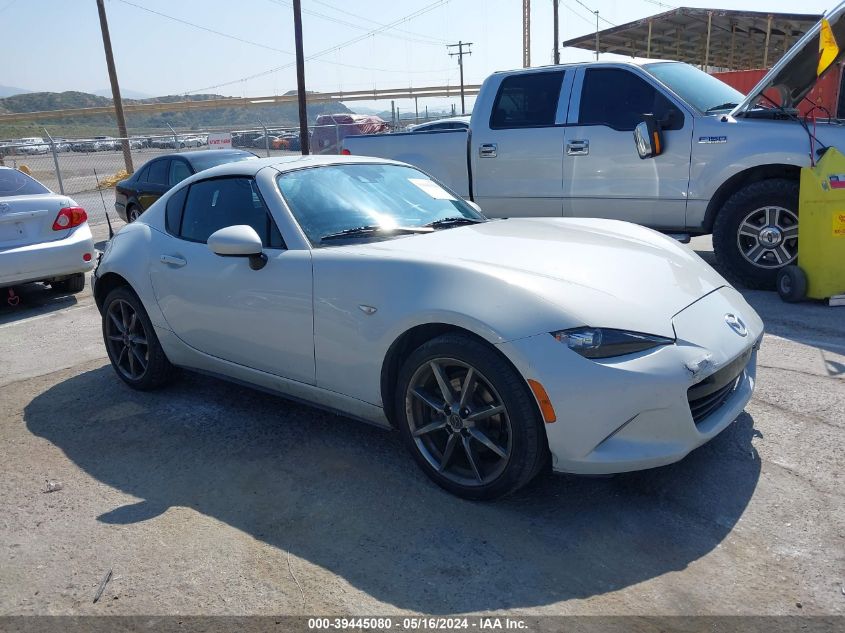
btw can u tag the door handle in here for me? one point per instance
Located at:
(173, 260)
(488, 150)
(578, 148)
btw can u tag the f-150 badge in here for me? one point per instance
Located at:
(709, 140)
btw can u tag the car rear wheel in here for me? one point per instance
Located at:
(468, 418)
(131, 342)
(72, 284)
(133, 213)
(756, 232)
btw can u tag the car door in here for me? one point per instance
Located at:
(517, 156)
(155, 184)
(260, 319)
(603, 174)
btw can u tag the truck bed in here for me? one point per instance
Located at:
(441, 153)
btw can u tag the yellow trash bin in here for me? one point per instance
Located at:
(820, 273)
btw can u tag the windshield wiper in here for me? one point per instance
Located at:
(724, 106)
(456, 221)
(374, 230)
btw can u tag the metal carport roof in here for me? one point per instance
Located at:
(711, 38)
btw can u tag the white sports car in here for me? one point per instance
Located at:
(44, 236)
(495, 347)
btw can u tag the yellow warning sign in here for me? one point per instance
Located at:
(828, 48)
(839, 224)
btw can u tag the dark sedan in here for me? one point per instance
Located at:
(135, 194)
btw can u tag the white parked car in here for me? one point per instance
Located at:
(363, 286)
(44, 236)
(438, 125)
(33, 145)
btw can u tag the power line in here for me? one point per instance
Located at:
(596, 13)
(315, 56)
(365, 19)
(417, 40)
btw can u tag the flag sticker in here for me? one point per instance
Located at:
(837, 181)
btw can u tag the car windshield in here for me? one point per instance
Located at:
(697, 88)
(15, 183)
(331, 199)
(212, 158)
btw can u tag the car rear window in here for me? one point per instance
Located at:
(16, 183)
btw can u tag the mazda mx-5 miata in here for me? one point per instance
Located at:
(495, 347)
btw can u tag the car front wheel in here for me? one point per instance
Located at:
(468, 418)
(131, 342)
(756, 232)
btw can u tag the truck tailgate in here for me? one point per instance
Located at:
(442, 154)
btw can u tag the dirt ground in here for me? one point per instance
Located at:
(210, 498)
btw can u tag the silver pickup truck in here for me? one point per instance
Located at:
(657, 143)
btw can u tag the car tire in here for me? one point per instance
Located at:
(756, 232)
(131, 342)
(72, 284)
(133, 213)
(792, 284)
(491, 454)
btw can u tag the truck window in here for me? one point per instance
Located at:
(527, 100)
(618, 99)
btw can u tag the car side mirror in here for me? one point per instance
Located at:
(475, 206)
(648, 137)
(240, 240)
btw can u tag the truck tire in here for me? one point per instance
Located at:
(756, 232)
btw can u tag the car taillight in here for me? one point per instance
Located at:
(69, 217)
(345, 152)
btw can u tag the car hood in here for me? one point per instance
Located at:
(804, 64)
(602, 272)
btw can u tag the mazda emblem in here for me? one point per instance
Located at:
(736, 324)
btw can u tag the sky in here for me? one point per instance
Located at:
(245, 47)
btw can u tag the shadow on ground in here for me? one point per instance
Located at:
(346, 496)
(33, 299)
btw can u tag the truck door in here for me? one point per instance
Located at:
(604, 176)
(517, 146)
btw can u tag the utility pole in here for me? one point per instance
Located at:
(526, 33)
(300, 78)
(115, 88)
(597, 33)
(555, 4)
(460, 55)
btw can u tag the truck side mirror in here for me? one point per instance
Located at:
(648, 137)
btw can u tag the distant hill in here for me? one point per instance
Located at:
(126, 93)
(233, 118)
(8, 91)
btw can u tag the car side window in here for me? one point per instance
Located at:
(527, 100)
(142, 175)
(220, 202)
(173, 211)
(158, 172)
(179, 170)
(618, 99)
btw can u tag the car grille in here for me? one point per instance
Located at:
(711, 393)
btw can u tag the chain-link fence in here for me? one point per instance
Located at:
(88, 169)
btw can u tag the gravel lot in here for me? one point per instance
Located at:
(209, 498)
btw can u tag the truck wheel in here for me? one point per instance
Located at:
(792, 284)
(756, 232)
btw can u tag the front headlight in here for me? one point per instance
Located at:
(592, 342)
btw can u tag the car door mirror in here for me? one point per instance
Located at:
(475, 206)
(648, 137)
(240, 240)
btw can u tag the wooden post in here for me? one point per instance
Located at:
(707, 44)
(768, 38)
(304, 139)
(556, 31)
(648, 44)
(733, 46)
(115, 88)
